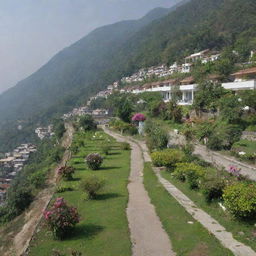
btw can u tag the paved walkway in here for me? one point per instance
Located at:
(147, 234)
(215, 158)
(225, 238)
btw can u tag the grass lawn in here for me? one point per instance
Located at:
(244, 232)
(103, 229)
(187, 239)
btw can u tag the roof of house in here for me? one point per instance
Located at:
(247, 71)
(188, 80)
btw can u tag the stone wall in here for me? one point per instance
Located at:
(249, 136)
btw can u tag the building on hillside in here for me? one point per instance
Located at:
(186, 68)
(243, 80)
(197, 56)
(100, 112)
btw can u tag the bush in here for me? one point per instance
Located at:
(213, 188)
(190, 172)
(61, 218)
(62, 189)
(105, 149)
(94, 161)
(92, 185)
(167, 158)
(37, 179)
(157, 138)
(240, 200)
(66, 172)
(125, 146)
(87, 123)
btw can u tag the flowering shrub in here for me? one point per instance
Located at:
(92, 185)
(61, 218)
(240, 199)
(94, 161)
(167, 158)
(138, 118)
(66, 172)
(234, 171)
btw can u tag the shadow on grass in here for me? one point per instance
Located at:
(109, 168)
(85, 231)
(114, 153)
(106, 196)
(76, 179)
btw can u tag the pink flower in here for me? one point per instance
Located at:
(138, 117)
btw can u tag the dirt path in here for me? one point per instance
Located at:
(215, 158)
(147, 234)
(33, 215)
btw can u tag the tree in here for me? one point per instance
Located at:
(87, 123)
(125, 110)
(207, 96)
(173, 112)
(231, 109)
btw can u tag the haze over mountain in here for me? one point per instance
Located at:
(31, 32)
(110, 52)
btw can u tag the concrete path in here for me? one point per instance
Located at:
(215, 158)
(225, 238)
(147, 234)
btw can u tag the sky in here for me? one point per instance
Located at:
(32, 31)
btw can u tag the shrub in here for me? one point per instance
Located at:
(94, 161)
(37, 179)
(61, 218)
(62, 189)
(105, 149)
(92, 185)
(131, 130)
(87, 123)
(125, 146)
(240, 199)
(66, 172)
(213, 188)
(167, 158)
(190, 172)
(157, 138)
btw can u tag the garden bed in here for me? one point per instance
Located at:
(243, 231)
(188, 237)
(103, 228)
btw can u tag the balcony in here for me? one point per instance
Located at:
(243, 85)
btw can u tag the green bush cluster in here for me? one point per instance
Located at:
(92, 185)
(190, 172)
(157, 138)
(125, 146)
(240, 199)
(167, 158)
(212, 188)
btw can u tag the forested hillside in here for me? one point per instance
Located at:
(111, 52)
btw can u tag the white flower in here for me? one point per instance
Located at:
(241, 153)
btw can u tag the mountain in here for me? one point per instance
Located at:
(71, 70)
(110, 52)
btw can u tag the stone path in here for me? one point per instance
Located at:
(225, 237)
(147, 234)
(215, 158)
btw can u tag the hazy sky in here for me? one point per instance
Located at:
(32, 31)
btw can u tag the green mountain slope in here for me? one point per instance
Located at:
(71, 70)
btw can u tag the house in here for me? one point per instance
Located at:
(186, 68)
(100, 112)
(197, 56)
(243, 80)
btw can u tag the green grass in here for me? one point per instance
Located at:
(247, 146)
(244, 232)
(168, 125)
(187, 239)
(103, 229)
